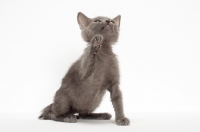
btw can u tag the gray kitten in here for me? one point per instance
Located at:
(87, 80)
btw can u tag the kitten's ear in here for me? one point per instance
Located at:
(83, 20)
(117, 20)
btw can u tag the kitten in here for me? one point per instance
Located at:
(87, 80)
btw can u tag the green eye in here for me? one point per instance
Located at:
(97, 21)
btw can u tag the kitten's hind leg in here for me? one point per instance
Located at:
(49, 115)
(70, 118)
(97, 116)
(61, 108)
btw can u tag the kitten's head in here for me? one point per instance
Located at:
(107, 27)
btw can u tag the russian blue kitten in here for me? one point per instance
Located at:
(89, 77)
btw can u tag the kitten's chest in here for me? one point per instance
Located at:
(98, 74)
(97, 77)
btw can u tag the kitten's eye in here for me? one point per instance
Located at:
(112, 22)
(97, 21)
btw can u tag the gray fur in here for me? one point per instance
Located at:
(87, 80)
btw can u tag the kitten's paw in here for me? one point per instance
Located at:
(70, 119)
(122, 121)
(97, 41)
(106, 116)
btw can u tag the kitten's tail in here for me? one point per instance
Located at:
(46, 113)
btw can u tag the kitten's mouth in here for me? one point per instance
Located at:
(103, 27)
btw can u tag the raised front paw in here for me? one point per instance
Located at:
(122, 121)
(97, 41)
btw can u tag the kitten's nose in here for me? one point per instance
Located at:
(107, 21)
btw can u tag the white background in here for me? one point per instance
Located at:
(158, 51)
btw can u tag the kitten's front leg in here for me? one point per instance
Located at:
(96, 42)
(87, 60)
(116, 98)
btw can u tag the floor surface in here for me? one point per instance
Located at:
(140, 122)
